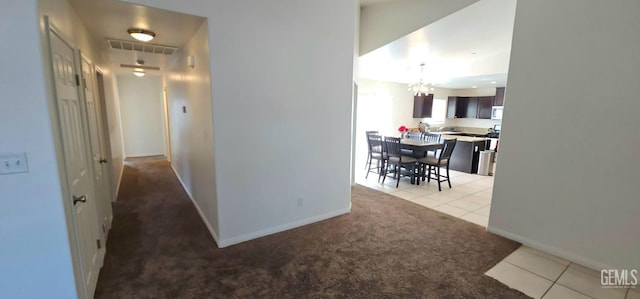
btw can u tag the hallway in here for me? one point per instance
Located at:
(157, 238)
(159, 248)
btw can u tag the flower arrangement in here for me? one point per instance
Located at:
(403, 130)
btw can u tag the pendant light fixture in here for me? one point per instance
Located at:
(420, 87)
(141, 34)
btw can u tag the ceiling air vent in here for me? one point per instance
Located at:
(140, 47)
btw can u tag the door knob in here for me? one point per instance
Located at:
(103, 161)
(77, 199)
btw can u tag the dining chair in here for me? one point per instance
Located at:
(442, 160)
(396, 159)
(414, 135)
(430, 137)
(408, 152)
(377, 153)
(367, 164)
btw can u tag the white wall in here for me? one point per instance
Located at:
(280, 71)
(384, 22)
(142, 114)
(192, 132)
(115, 130)
(568, 178)
(35, 246)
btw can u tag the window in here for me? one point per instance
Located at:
(439, 112)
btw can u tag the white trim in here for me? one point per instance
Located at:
(195, 203)
(584, 261)
(281, 228)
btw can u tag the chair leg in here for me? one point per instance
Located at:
(415, 177)
(448, 179)
(384, 172)
(429, 174)
(438, 175)
(368, 161)
(368, 170)
(397, 174)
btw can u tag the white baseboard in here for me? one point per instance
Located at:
(195, 203)
(572, 257)
(281, 228)
(260, 233)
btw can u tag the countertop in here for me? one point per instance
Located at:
(465, 138)
(470, 134)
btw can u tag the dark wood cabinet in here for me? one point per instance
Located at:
(465, 156)
(484, 107)
(451, 107)
(472, 108)
(462, 107)
(457, 107)
(499, 98)
(422, 105)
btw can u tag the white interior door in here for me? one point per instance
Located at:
(79, 180)
(103, 202)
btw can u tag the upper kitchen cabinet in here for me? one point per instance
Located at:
(499, 98)
(474, 107)
(422, 105)
(462, 107)
(484, 107)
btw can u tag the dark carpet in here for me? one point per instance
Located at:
(385, 248)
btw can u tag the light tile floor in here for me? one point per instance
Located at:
(535, 273)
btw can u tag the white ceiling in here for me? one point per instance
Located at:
(111, 19)
(470, 47)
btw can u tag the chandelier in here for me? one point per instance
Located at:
(420, 87)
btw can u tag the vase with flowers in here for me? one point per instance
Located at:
(403, 131)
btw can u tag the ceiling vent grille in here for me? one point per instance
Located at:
(140, 47)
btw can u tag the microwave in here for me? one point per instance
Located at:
(496, 112)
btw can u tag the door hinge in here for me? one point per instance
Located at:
(104, 230)
(99, 245)
(77, 80)
(84, 83)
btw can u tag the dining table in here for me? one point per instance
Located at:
(419, 148)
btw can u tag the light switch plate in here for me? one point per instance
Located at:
(13, 163)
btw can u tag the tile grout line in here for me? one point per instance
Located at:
(579, 292)
(556, 281)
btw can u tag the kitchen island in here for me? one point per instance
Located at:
(466, 154)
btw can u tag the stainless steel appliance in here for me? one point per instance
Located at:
(496, 112)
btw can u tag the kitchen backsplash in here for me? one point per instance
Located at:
(472, 123)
